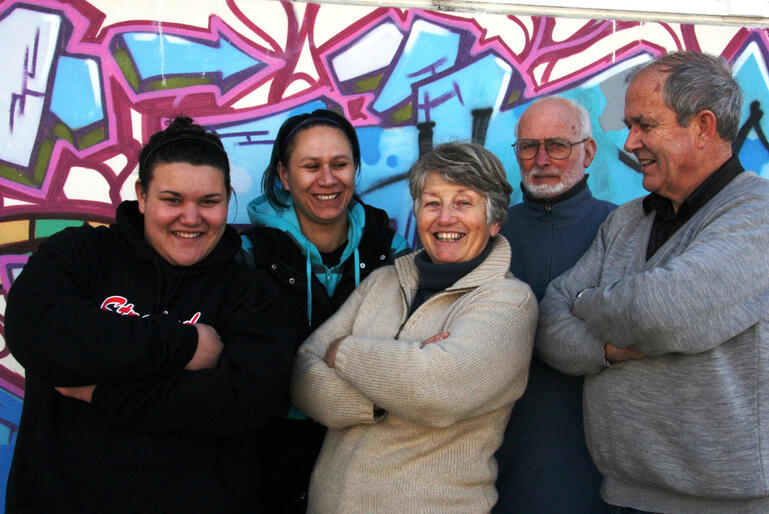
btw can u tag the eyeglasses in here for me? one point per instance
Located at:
(556, 147)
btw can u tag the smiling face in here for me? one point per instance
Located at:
(320, 176)
(664, 149)
(544, 176)
(452, 221)
(185, 211)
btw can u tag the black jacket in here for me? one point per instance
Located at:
(99, 306)
(286, 449)
(278, 255)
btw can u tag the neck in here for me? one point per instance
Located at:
(712, 161)
(325, 237)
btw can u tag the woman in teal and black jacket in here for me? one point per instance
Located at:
(319, 241)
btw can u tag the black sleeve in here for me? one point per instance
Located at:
(59, 334)
(247, 388)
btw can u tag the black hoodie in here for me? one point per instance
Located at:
(99, 306)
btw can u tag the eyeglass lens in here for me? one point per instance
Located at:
(557, 148)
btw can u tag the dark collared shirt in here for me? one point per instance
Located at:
(667, 220)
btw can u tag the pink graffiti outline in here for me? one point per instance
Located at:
(84, 41)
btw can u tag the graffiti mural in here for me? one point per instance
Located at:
(84, 84)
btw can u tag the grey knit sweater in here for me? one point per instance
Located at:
(685, 429)
(447, 402)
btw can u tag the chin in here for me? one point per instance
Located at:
(546, 190)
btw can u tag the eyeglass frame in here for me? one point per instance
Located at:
(539, 143)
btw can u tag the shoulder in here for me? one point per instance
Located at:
(748, 182)
(603, 205)
(516, 211)
(262, 243)
(79, 239)
(628, 211)
(744, 200)
(238, 283)
(260, 235)
(378, 236)
(509, 290)
(374, 215)
(381, 275)
(377, 226)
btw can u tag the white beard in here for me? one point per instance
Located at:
(542, 191)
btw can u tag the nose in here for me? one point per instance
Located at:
(541, 159)
(632, 142)
(446, 216)
(190, 214)
(327, 177)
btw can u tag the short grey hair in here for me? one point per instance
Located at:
(698, 82)
(584, 119)
(467, 164)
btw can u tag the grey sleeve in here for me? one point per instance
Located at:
(716, 288)
(563, 340)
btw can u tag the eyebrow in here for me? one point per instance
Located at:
(459, 192)
(636, 119)
(175, 193)
(315, 158)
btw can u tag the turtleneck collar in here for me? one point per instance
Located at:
(435, 277)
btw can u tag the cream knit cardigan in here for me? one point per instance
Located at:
(446, 404)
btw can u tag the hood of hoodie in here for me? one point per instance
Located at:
(262, 213)
(129, 228)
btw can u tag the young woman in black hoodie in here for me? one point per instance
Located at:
(147, 348)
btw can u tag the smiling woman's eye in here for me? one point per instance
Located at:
(172, 200)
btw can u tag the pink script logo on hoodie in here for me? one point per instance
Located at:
(120, 305)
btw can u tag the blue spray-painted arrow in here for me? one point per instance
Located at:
(155, 55)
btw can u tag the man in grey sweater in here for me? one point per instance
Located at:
(667, 314)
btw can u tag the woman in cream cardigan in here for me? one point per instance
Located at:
(417, 372)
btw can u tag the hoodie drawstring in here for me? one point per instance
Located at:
(357, 267)
(309, 284)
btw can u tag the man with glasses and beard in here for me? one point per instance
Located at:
(549, 231)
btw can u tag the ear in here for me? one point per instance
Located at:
(704, 126)
(494, 229)
(283, 174)
(141, 195)
(229, 193)
(590, 148)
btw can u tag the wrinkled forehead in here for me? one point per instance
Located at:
(645, 93)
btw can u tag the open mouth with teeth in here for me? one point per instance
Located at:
(645, 162)
(188, 235)
(449, 237)
(326, 197)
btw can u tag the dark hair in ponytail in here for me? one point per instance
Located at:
(183, 141)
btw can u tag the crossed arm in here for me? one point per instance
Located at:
(153, 373)
(688, 300)
(468, 369)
